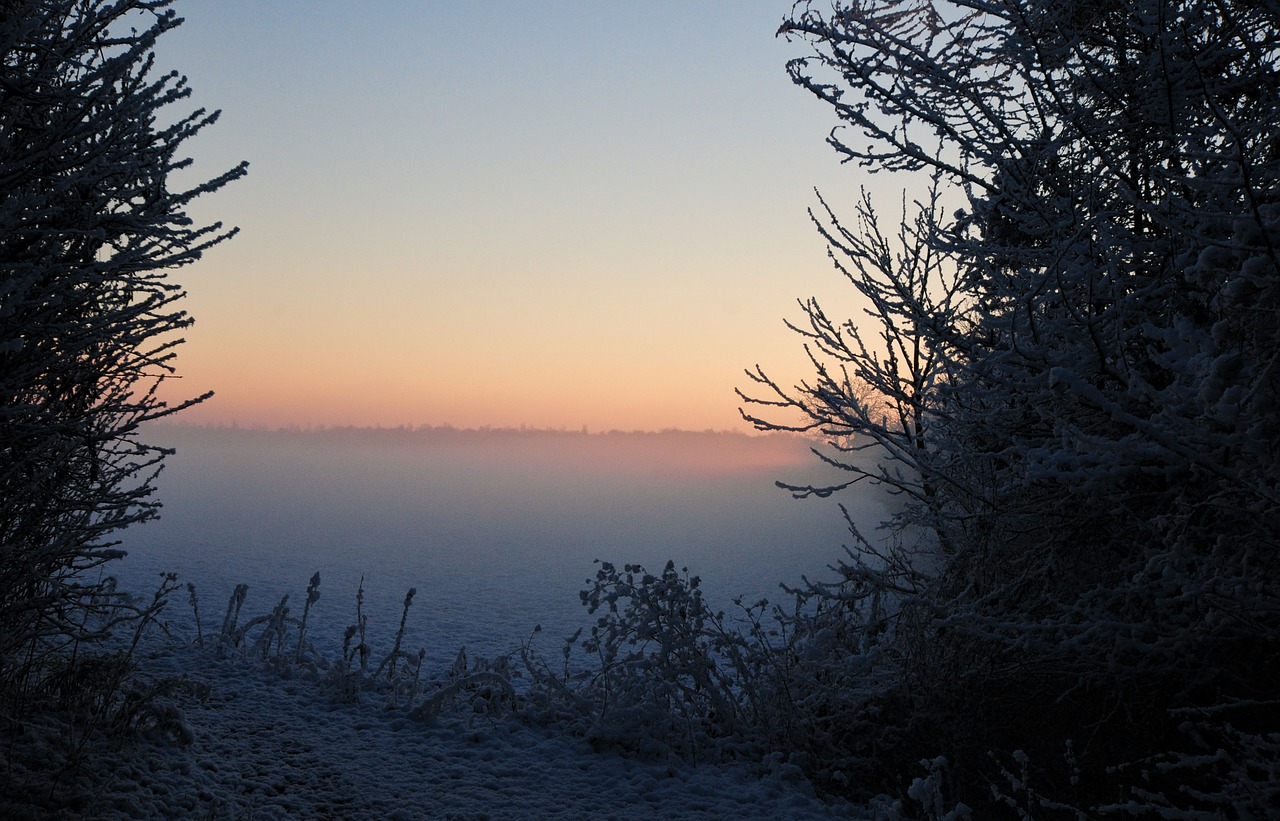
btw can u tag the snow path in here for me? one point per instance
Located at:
(269, 747)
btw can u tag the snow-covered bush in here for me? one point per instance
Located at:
(659, 674)
(89, 231)
(1082, 394)
(93, 700)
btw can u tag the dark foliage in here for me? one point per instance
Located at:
(1079, 366)
(90, 228)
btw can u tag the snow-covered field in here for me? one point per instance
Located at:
(268, 747)
(497, 533)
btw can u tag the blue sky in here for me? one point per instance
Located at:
(555, 213)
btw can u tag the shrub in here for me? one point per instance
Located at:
(89, 230)
(1081, 394)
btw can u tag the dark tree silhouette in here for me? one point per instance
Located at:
(1094, 440)
(89, 230)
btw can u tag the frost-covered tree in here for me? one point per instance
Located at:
(1101, 437)
(90, 227)
(878, 379)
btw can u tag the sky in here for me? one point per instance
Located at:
(554, 214)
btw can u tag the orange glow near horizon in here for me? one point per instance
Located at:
(585, 229)
(389, 399)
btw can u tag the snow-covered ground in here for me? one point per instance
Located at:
(268, 747)
(497, 533)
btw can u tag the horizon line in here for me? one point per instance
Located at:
(447, 428)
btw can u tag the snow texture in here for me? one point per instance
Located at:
(273, 742)
(267, 746)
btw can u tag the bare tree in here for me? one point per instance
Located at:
(90, 228)
(877, 381)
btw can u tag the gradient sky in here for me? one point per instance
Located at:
(549, 213)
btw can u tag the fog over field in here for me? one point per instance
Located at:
(496, 529)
